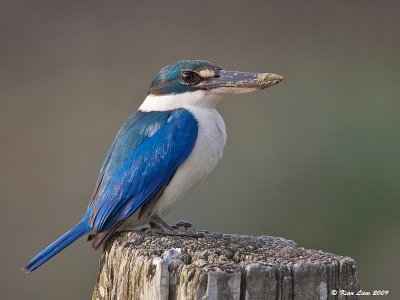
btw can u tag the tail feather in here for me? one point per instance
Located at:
(58, 245)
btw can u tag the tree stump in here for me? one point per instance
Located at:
(146, 264)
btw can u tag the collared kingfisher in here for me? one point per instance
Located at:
(161, 152)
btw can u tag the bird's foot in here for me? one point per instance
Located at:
(182, 228)
(156, 222)
(185, 224)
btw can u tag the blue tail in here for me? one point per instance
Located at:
(62, 242)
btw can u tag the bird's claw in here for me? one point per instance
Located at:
(183, 223)
(182, 228)
(177, 232)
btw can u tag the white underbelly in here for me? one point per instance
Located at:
(205, 155)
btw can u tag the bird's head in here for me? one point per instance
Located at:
(202, 83)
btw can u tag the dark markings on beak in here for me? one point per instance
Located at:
(241, 80)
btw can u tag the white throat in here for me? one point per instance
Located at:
(185, 100)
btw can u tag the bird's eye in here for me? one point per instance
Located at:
(188, 77)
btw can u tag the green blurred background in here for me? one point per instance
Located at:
(314, 159)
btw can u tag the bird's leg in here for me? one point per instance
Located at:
(183, 223)
(158, 223)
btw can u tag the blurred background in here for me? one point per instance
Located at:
(314, 159)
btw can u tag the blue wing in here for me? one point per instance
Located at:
(143, 158)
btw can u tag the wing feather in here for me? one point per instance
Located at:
(145, 155)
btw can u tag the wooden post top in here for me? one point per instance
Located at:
(145, 264)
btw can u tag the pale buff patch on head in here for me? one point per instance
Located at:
(207, 73)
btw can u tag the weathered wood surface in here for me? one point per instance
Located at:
(148, 265)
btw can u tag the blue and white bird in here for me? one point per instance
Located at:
(161, 152)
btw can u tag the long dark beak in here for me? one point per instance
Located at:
(232, 82)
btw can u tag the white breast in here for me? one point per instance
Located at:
(205, 155)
